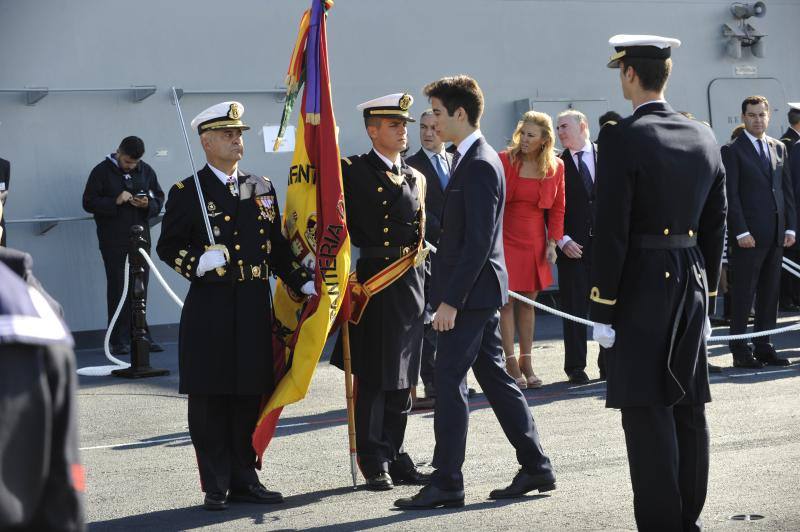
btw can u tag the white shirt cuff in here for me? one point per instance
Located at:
(739, 237)
(562, 241)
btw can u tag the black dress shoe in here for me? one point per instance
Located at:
(523, 483)
(578, 377)
(771, 359)
(155, 347)
(430, 391)
(256, 493)
(119, 349)
(422, 403)
(714, 369)
(471, 392)
(746, 360)
(215, 501)
(411, 477)
(431, 497)
(788, 307)
(380, 482)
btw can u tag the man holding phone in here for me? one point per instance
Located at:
(122, 191)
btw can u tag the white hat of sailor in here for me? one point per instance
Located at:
(225, 115)
(795, 105)
(390, 106)
(642, 46)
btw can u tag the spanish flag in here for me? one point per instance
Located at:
(313, 222)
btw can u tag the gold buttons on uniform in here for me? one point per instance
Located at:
(260, 217)
(236, 233)
(386, 244)
(263, 247)
(384, 202)
(227, 218)
(691, 233)
(192, 259)
(380, 189)
(188, 266)
(260, 231)
(666, 275)
(385, 229)
(666, 231)
(240, 262)
(385, 216)
(237, 247)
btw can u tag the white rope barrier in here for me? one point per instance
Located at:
(104, 371)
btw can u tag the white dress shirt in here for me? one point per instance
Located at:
(222, 176)
(387, 161)
(465, 145)
(442, 155)
(588, 159)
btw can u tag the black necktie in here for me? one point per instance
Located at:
(456, 158)
(764, 157)
(585, 174)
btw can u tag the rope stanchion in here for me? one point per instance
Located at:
(105, 371)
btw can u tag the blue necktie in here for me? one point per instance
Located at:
(443, 177)
(586, 176)
(764, 156)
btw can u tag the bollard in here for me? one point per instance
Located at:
(140, 345)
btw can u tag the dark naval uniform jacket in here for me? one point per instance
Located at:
(225, 339)
(657, 251)
(386, 345)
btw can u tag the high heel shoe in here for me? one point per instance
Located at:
(520, 379)
(531, 381)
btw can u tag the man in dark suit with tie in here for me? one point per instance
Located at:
(469, 286)
(789, 299)
(5, 177)
(656, 260)
(434, 162)
(761, 221)
(575, 248)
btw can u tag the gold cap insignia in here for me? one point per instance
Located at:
(235, 111)
(405, 102)
(212, 206)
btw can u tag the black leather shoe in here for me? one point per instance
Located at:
(523, 483)
(155, 347)
(578, 377)
(472, 392)
(119, 349)
(430, 391)
(788, 307)
(771, 359)
(380, 482)
(215, 501)
(256, 493)
(411, 477)
(431, 497)
(422, 403)
(746, 360)
(714, 369)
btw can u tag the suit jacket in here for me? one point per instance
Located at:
(434, 195)
(5, 177)
(469, 270)
(760, 202)
(580, 208)
(656, 254)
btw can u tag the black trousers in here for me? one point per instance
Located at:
(790, 285)
(475, 342)
(221, 427)
(573, 287)
(381, 417)
(114, 262)
(757, 274)
(428, 360)
(668, 455)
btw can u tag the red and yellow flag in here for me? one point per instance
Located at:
(313, 221)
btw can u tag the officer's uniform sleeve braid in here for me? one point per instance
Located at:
(615, 186)
(175, 246)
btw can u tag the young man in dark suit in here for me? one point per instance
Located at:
(434, 162)
(761, 222)
(575, 248)
(789, 298)
(469, 286)
(656, 261)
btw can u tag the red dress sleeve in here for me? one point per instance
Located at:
(510, 174)
(555, 216)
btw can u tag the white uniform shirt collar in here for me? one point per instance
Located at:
(660, 100)
(467, 143)
(387, 161)
(221, 175)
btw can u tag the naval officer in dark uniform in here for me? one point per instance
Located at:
(384, 200)
(657, 251)
(225, 342)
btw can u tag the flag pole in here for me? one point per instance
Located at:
(348, 386)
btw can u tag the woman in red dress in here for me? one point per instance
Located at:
(534, 184)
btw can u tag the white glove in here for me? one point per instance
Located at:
(604, 334)
(213, 258)
(308, 288)
(707, 329)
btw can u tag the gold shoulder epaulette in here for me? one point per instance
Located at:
(345, 159)
(180, 185)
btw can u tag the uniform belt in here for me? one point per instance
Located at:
(251, 272)
(394, 252)
(663, 241)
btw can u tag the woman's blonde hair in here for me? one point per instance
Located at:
(546, 159)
